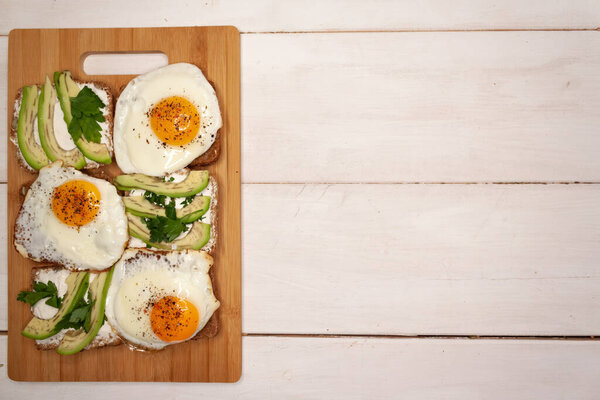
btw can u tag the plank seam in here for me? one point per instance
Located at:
(472, 337)
(431, 183)
(378, 336)
(321, 31)
(410, 183)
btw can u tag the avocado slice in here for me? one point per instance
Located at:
(196, 238)
(51, 147)
(67, 88)
(32, 152)
(138, 205)
(77, 285)
(194, 183)
(74, 341)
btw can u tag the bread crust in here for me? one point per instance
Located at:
(214, 210)
(13, 130)
(210, 156)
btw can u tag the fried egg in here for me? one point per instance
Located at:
(71, 219)
(164, 119)
(156, 299)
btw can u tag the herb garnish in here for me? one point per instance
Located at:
(81, 315)
(41, 290)
(188, 200)
(158, 199)
(86, 111)
(164, 229)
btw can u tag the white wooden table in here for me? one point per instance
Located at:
(421, 198)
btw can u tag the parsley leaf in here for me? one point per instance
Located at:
(158, 199)
(170, 211)
(164, 229)
(41, 290)
(161, 199)
(86, 111)
(78, 315)
(188, 200)
(81, 315)
(78, 318)
(54, 301)
(86, 101)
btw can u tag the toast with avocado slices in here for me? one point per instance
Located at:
(43, 278)
(192, 222)
(43, 129)
(53, 281)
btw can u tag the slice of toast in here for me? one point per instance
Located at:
(107, 127)
(105, 337)
(209, 156)
(211, 217)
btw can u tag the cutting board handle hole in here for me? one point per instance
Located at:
(122, 63)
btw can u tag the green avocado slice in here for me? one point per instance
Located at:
(138, 205)
(77, 285)
(51, 147)
(32, 152)
(196, 238)
(194, 183)
(74, 341)
(67, 88)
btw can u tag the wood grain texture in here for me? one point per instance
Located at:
(3, 262)
(422, 259)
(433, 107)
(3, 104)
(302, 15)
(216, 51)
(358, 368)
(421, 107)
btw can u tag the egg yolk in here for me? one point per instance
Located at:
(174, 319)
(175, 121)
(76, 202)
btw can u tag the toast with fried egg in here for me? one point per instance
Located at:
(106, 336)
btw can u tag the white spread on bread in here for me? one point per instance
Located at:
(41, 310)
(208, 218)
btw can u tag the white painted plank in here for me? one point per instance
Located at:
(412, 107)
(357, 368)
(302, 15)
(433, 107)
(421, 259)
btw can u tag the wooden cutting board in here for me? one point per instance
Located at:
(33, 54)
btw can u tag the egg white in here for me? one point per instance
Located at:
(137, 148)
(41, 236)
(144, 276)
